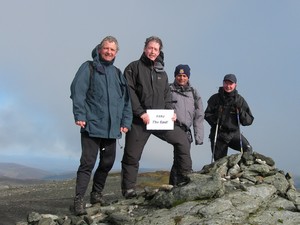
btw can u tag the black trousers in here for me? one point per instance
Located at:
(222, 145)
(90, 148)
(135, 141)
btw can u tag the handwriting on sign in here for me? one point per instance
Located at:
(159, 120)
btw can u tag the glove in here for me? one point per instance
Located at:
(190, 136)
(238, 109)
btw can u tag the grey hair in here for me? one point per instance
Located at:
(109, 39)
(156, 39)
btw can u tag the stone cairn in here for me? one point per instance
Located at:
(240, 189)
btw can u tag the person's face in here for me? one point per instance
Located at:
(228, 86)
(181, 79)
(109, 51)
(152, 50)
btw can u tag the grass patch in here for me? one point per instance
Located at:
(153, 179)
(149, 179)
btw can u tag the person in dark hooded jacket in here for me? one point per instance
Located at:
(225, 112)
(149, 89)
(102, 108)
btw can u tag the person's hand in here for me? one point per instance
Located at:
(238, 106)
(146, 119)
(124, 129)
(80, 123)
(174, 117)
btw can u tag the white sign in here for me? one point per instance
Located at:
(160, 119)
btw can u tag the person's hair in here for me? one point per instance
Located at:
(156, 39)
(110, 39)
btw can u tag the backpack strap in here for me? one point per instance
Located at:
(91, 76)
(178, 92)
(119, 74)
(195, 97)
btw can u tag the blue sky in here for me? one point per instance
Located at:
(43, 43)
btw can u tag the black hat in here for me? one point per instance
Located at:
(230, 77)
(182, 69)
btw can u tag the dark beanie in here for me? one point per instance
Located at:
(182, 69)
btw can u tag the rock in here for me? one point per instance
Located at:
(279, 182)
(21, 223)
(234, 160)
(268, 160)
(46, 221)
(234, 171)
(237, 189)
(33, 217)
(294, 196)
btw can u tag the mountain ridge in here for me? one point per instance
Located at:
(21, 172)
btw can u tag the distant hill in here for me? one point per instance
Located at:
(17, 171)
(21, 172)
(6, 182)
(61, 176)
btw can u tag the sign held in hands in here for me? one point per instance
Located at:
(160, 119)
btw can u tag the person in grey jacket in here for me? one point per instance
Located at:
(102, 109)
(188, 107)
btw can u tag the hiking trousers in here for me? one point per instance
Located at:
(222, 145)
(135, 141)
(90, 148)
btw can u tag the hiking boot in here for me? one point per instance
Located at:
(249, 149)
(96, 197)
(183, 180)
(130, 193)
(79, 208)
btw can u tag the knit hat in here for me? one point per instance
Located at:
(182, 69)
(230, 77)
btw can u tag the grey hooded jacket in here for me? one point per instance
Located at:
(188, 107)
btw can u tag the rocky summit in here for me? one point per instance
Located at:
(240, 189)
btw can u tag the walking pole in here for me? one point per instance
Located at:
(215, 140)
(239, 124)
(216, 134)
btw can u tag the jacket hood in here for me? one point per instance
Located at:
(98, 62)
(228, 98)
(223, 93)
(159, 60)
